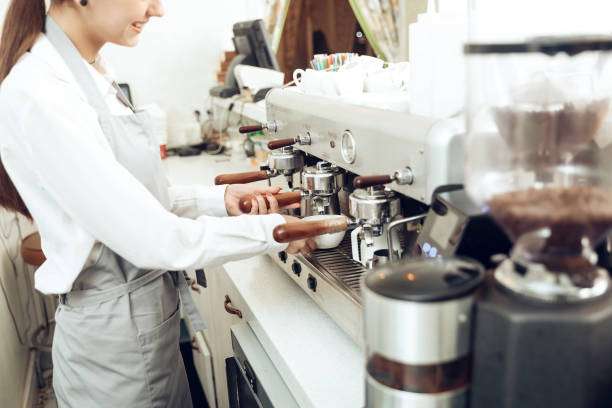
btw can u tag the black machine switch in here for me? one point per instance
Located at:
(201, 277)
(312, 283)
(296, 268)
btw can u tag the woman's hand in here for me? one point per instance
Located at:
(234, 192)
(302, 246)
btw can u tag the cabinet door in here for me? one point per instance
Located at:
(202, 360)
(222, 320)
(200, 341)
(202, 298)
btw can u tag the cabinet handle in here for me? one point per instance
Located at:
(194, 286)
(194, 345)
(231, 309)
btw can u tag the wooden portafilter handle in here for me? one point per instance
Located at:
(283, 199)
(369, 181)
(277, 144)
(250, 129)
(241, 178)
(293, 231)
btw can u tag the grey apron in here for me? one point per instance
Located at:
(116, 342)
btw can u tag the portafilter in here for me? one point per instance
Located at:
(284, 162)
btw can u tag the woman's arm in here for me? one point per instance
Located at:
(65, 147)
(192, 201)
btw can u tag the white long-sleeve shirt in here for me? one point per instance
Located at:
(53, 148)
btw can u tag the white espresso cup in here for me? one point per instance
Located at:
(307, 81)
(315, 82)
(349, 82)
(384, 80)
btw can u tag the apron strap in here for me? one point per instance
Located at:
(189, 306)
(75, 63)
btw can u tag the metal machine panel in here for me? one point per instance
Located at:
(382, 141)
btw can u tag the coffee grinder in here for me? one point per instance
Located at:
(538, 162)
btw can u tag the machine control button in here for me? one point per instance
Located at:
(305, 139)
(282, 255)
(312, 283)
(296, 268)
(348, 147)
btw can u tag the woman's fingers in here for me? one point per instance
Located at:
(301, 246)
(266, 190)
(273, 203)
(263, 208)
(312, 244)
(254, 207)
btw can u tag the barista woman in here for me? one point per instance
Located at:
(82, 164)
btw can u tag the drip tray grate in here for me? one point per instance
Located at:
(338, 264)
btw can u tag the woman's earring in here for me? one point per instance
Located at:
(83, 3)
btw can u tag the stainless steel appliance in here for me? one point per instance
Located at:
(373, 209)
(284, 162)
(456, 226)
(419, 154)
(321, 185)
(540, 165)
(418, 324)
(252, 379)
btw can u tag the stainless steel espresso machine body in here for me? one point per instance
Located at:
(456, 226)
(321, 185)
(417, 154)
(374, 209)
(366, 141)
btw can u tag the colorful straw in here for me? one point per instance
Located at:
(324, 62)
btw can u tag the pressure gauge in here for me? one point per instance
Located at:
(347, 147)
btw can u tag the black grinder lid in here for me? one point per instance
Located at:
(426, 279)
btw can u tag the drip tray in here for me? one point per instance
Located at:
(338, 267)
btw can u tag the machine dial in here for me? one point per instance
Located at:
(347, 147)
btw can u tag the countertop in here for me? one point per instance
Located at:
(322, 365)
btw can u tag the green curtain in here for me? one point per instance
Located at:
(379, 20)
(275, 14)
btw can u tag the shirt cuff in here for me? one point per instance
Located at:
(211, 201)
(271, 221)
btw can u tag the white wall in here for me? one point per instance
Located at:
(176, 62)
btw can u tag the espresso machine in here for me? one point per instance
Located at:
(385, 166)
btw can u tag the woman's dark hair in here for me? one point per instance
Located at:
(24, 21)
